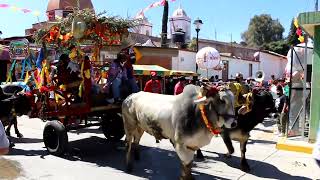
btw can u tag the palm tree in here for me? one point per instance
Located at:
(165, 24)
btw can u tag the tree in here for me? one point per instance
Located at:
(192, 46)
(165, 24)
(292, 38)
(262, 30)
(280, 47)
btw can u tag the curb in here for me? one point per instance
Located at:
(295, 146)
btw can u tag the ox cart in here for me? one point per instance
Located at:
(64, 100)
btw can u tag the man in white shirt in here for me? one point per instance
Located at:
(4, 142)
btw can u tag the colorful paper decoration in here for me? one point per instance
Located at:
(16, 9)
(19, 50)
(153, 5)
(299, 31)
(301, 39)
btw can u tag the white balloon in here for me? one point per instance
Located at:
(208, 58)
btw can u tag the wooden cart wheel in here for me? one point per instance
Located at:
(112, 127)
(55, 138)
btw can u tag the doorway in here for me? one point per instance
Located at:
(225, 71)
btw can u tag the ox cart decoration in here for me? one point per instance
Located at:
(65, 87)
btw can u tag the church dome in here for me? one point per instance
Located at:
(179, 13)
(68, 4)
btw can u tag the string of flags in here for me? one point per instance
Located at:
(299, 31)
(17, 9)
(153, 5)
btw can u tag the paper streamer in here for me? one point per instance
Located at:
(153, 5)
(16, 9)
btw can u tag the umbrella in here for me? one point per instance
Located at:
(208, 58)
(4, 53)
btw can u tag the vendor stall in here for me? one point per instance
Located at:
(183, 73)
(147, 69)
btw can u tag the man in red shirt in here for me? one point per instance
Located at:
(153, 85)
(178, 89)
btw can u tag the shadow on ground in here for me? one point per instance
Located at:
(155, 163)
(25, 140)
(258, 168)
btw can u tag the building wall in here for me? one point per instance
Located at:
(186, 62)
(165, 62)
(272, 65)
(235, 50)
(242, 66)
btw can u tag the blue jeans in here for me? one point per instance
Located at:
(133, 85)
(116, 88)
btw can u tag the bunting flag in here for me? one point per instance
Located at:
(299, 31)
(16, 9)
(153, 5)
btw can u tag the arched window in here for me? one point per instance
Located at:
(147, 32)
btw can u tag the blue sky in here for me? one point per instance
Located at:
(225, 16)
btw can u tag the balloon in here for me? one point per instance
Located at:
(208, 58)
(78, 27)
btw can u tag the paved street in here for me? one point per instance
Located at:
(93, 157)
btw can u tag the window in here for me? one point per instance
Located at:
(250, 70)
(147, 33)
(66, 13)
(182, 59)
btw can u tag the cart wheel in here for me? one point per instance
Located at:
(112, 127)
(55, 138)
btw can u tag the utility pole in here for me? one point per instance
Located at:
(316, 5)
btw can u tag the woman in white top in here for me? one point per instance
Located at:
(4, 142)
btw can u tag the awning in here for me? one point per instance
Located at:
(183, 73)
(147, 69)
(4, 53)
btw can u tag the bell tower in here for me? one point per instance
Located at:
(179, 21)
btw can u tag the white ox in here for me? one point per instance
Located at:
(180, 119)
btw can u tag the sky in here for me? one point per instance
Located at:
(228, 18)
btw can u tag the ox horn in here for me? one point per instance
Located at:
(202, 100)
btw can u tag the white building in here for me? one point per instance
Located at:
(270, 63)
(180, 20)
(144, 27)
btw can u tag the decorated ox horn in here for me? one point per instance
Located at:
(206, 92)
